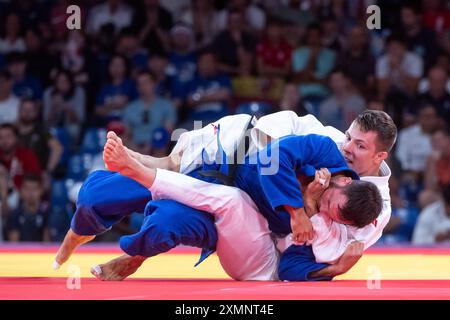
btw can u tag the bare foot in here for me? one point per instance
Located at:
(70, 243)
(118, 269)
(117, 157)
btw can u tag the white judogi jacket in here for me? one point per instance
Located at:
(331, 238)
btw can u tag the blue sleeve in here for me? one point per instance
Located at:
(297, 263)
(280, 162)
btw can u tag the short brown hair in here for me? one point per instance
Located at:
(364, 203)
(380, 123)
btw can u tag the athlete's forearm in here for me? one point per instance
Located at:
(330, 271)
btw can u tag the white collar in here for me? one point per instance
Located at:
(385, 174)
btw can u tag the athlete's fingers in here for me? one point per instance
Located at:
(325, 176)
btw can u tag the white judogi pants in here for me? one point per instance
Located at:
(245, 247)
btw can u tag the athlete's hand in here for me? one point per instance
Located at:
(350, 257)
(302, 229)
(315, 189)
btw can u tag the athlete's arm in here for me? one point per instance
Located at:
(298, 263)
(301, 226)
(350, 257)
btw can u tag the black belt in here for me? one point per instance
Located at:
(228, 180)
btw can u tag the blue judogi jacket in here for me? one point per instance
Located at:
(269, 176)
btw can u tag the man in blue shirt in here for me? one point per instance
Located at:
(209, 91)
(149, 111)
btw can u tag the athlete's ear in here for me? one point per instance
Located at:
(342, 181)
(382, 155)
(347, 180)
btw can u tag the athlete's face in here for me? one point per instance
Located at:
(332, 200)
(360, 151)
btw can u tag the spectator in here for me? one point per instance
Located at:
(29, 221)
(436, 16)
(203, 18)
(398, 69)
(65, 104)
(332, 33)
(11, 39)
(118, 92)
(248, 87)
(25, 85)
(357, 61)
(292, 12)
(340, 11)
(175, 8)
(433, 225)
(437, 94)
(128, 45)
(58, 18)
(17, 160)
(403, 218)
(111, 11)
(4, 200)
(148, 112)
(35, 136)
(9, 103)
(420, 40)
(182, 60)
(398, 72)
(345, 103)
(414, 143)
(292, 100)
(39, 61)
(209, 92)
(231, 44)
(158, 65)
(255, 17)
(73, 56)
(30, 12)
(154, 27)
(312, 64)
(437, 173)
(273, 53)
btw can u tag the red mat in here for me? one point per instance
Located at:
(56, 288)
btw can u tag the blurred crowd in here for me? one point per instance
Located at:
(144, 68)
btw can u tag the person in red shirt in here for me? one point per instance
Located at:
(17, 160)
(436, 16)
(274, 52)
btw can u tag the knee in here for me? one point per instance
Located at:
(150, 241)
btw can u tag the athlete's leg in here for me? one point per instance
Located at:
(167, 224)
(104, 199)
(245, 247)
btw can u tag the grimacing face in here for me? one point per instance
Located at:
(361, 152)
(333, 199)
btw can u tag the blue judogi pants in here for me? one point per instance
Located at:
(107, 197)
